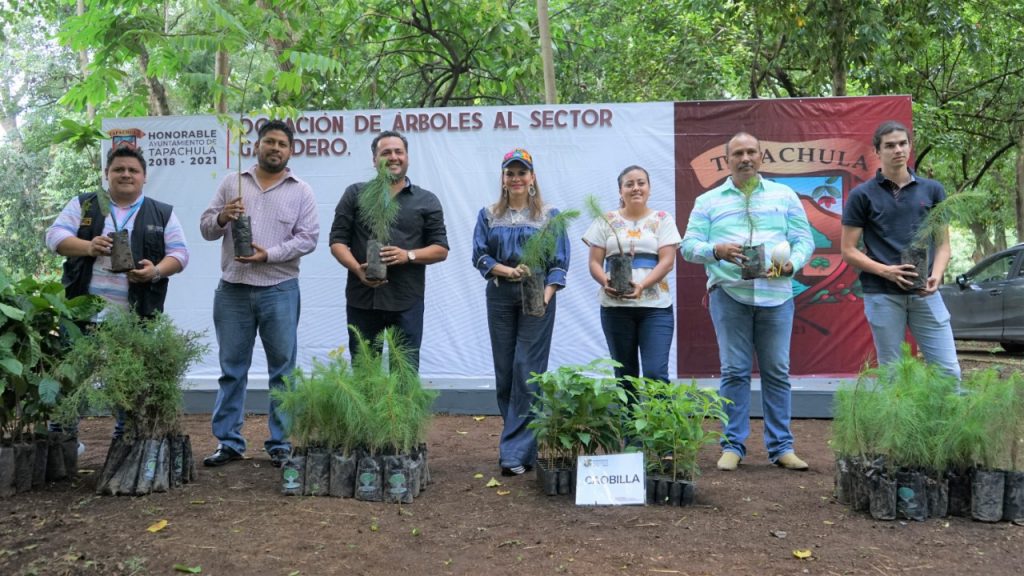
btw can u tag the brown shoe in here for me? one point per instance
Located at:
(789, 461)
(729, 461)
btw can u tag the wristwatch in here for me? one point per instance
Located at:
(157, 277)
(411, 256)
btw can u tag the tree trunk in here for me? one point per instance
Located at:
(83, 62)
(1019, 196)
(546, 56)
(982, 243)
(158, 105)
(838, 31)
(222, 71)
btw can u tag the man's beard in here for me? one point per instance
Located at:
(267, 167)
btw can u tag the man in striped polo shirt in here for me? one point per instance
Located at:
(752, 316)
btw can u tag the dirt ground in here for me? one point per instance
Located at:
(233, 521)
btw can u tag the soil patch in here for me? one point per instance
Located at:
(233, 520)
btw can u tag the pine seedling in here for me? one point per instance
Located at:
(593, 206)
(378, 208)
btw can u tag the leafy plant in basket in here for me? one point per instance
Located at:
(620, 266)
(37, 323)
(538, 251)
(135, 366)
(578, 410)
(378, 211)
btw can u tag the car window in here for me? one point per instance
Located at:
(996, 270)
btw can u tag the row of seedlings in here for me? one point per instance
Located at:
(911, 442)
(358, 429)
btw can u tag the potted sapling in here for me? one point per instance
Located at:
(857, 427)
(135, 366)
(619, 265)
(931, 230)
(917, 408)
(538, 252)
(668, 423)
(378, 211)
(325, 414)
(121, 259)
(577, 411)
(991, 421)
(754, 262)
(37, 324)
(394, 468)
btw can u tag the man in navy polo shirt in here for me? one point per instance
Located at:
(888, 213)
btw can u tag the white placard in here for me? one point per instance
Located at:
(610, 480)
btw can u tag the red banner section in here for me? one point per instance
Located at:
(820, 147)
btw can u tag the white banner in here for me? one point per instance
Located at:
(454, 152)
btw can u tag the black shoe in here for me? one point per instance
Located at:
(515, 470)
(221, 456)
(278, 458)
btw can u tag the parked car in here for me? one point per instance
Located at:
(987, 302)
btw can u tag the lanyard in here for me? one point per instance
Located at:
(127, 217)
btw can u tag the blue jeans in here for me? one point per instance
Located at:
(647, 331)
(889, 315)
(370, 323)
(239, 312)
(519, 345)
(743, 330)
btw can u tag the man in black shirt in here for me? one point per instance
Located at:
(418, 238)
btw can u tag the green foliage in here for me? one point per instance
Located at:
(960, 61)
(540, 248)
(135, 365)
(326, 408)
(37, 323)
(578, 410)
(595, 211)
(911, 413)
(917, 406)
(376, 403)
(668, 420)
(989, 420)
(378, 207)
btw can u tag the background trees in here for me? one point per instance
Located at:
(61, 61)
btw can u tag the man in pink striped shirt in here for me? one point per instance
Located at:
(258, 293)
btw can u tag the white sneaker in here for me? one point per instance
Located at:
(81, 449)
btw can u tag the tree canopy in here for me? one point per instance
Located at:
(65, 65)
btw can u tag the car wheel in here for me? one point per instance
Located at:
(1013, 347)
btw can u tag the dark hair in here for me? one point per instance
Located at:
(622, 175)
(126, 151)
(888, 127)
(388, 134)
(629, 169)
(737, 135)
(276, 125)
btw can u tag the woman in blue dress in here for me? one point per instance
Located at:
(519, 343)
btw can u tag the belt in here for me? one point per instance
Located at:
(639, 261)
